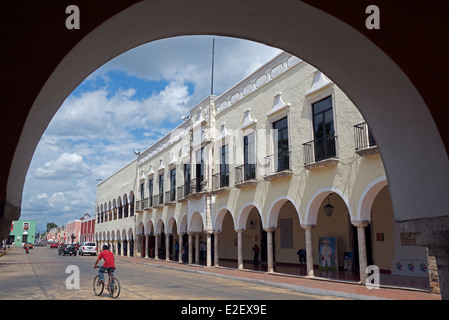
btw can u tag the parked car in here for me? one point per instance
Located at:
(67, 249)
(30, 245)
(54, 245)
(88, 247)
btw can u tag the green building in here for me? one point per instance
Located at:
(22, 231)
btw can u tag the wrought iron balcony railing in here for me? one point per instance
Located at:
(220, 180)
(320, 149)
(278, 162)
(245, 172)
(363, 137)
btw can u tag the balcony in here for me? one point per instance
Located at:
(320, 152)
(195, 188)
(181, 193)
(278, 165)
(170, 197)
(364, 140)
(245, 175)
(220, 182)
(158, 200)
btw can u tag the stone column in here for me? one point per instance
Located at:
(128, 247)
(121, 248)
(180, 236)
(433, 233)
(190, 247)
(270, 249)
(156, 246)
(147, 246)
(209, 250)
(309, 250)
(216, 248)
(363, 261)
(197, 248)
(239, 249)
(167, 246)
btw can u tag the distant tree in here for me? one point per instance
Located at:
(51, 225)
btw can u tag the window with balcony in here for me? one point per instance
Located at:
(161, 189)
(323, 145)
(199, 170)
(171, 196)
(221, 179)
(247, 171)
(150, 190)
(282, 154)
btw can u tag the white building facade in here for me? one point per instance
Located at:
(282, 161)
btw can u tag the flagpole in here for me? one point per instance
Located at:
(212, 76)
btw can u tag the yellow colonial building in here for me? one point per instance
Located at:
(280, 170)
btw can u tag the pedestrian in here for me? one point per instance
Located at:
(256, 253)
(26, 247)
(176, 251)
(302, 256)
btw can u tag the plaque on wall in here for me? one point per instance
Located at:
(408, 239)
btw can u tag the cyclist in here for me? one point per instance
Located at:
(108, 265)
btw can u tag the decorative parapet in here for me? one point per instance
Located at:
(265, 74)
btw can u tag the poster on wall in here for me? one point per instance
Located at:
(328, 253)
(285, 226)
(26, 226)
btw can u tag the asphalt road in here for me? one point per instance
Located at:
(44, 275)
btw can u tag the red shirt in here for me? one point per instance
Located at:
(108, 257)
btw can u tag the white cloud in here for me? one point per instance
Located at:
(67, 165)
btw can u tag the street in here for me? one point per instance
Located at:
(42, 275)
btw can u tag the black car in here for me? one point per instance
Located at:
(67, 249)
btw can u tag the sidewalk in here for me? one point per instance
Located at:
(320, 286)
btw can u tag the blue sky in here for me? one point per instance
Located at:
(127, 104)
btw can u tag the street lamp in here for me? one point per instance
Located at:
(328, 208)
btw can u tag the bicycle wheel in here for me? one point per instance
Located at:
(115, 291)
(98, 286)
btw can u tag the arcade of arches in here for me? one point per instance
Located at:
(280, 244)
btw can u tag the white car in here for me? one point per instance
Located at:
(88, 247)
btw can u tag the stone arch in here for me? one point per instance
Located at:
(244, 213)
(196, 223)
(220, 216)
(315, 203)
(367, 198)
(275, 208)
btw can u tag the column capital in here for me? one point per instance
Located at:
(307, 226)
(360, 224)
(269, 229)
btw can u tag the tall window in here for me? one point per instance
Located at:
(161, 188)
(323, 129)
(199, 169)
(282, 154)
(224, 166)
(172, 184)
(249, 154)
(142, 191)
(150, 189)
(187, 178)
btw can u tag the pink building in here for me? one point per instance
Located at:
(73, 231)
(87, 230)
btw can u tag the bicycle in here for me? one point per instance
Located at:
(98, 285)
